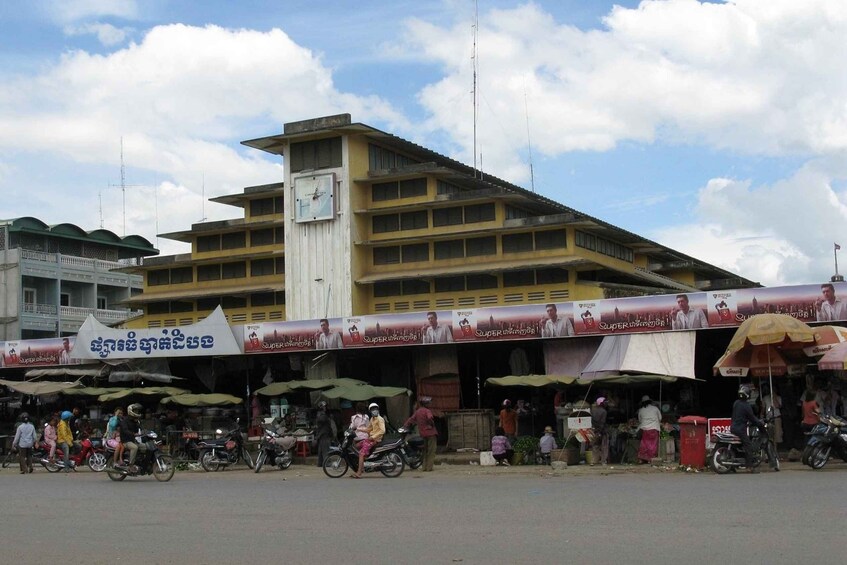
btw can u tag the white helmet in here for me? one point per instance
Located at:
(134, 410)
(373, 406)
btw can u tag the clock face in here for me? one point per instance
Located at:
(314, 198)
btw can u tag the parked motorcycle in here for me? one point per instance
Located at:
(812, 437)
(385, 458)
(833, 441)
(227, 449)
(90, 453)
(412, 449)
(275, 449)
(149, 460)
(728, 453)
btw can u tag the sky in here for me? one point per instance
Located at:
(715, 128)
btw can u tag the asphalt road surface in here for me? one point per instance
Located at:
(457, 514)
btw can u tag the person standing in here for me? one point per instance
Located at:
(323, 432)
(649, 424)
(508, 420)
(600, 442)
(25, 440)
(65, 439)
(547, 444)
(425, 422)
(742, 414)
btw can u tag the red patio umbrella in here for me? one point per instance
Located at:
(825, 338)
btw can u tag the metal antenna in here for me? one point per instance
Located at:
(528, 140)
(124, 186)
(475, 60)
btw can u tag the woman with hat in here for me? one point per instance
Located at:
(600, 442)
(547, 444)
(649, 424)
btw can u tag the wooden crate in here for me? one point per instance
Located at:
(470, 429)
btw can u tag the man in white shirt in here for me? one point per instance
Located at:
(684, 318)
(65, 353)
(554, 326)
(325, 339)
(829, 308)
(433, 333)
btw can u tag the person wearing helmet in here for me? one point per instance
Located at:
(323, 432)
(65, 439)
(375, 430)
(425, 422)
(25, 440)
(742, 414)
(129, 428)
(509, 421)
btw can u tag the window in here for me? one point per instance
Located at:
(415, 286)
(386, 255)
(381, 158)
(384, 191)
(235, 240)
(518, 278)
(390, 288)
(551, 239)
(182, 275)
(479, 282)
(181, 306)
(261, 267)
(208, 243)
(228, 302)
(412, 187)
(319, 154)
(262, 299)
(513, 213)
(449, 284)
(551, 276)
(517, 242)
(158, 277)
(477, 246)
(234, 270)
(479, 213)
(443, 187)
(414, 220)
(158, 308)
(447, 216)
(585, 240)
(451, 249)
(261, 237)
(279, 265)
(415, 252)
(101, 303)
(386, 223)
(208, 272)
(262, 207)
(279, 235)
(30, 296)
(208, 303)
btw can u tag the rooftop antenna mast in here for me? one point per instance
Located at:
(528, 141)
(203, 198)
(124, 186)
(475, 60)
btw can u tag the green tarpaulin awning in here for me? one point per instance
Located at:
(531, 380)
(29, 387)
(92, 390)
(364, 392)
(202, 400)
(145, 391)
(276, 389)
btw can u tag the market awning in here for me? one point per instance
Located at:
(65, 372)
(202, 400)
(29, 387)
(530, 380)
(284, 387)
(133, 376)
(357, 393)
(91, 390)
(143, 391)
(666, 354)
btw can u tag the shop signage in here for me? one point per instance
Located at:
(713, 425)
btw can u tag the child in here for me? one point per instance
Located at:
(547, 444)
(501, 449)
(50, 436)
(113, 435)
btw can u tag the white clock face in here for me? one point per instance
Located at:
(314, 198)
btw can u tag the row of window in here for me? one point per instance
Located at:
(471, 247)
(311, 155)
(419, 219)
(398, 189)
(218, 271)
(267, 206)
(238, 240)
(527, 277)
(380, 158)
(225, 302)
(602, 245)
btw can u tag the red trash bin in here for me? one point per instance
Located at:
(692, 441)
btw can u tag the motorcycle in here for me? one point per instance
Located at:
(149, 460)
(90, 453)
(412, 449)
(227, 449)
(833, 441)
(728, 454)
(275, 449)
(818, 431)
(385, 458)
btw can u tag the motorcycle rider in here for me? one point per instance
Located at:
(742, 414)
(425, 422)
(130, 428)
(65, 439)
(375, 430)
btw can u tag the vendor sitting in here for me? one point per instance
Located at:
(375, 430)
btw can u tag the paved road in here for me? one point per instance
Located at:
(457, 514)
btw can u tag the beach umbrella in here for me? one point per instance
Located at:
(202, 400)
(825, 338)
(356, 393)
(835, 359)
(756, 362)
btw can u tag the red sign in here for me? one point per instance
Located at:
(717, 425)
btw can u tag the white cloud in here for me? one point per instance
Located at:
(66, 11)
(107, 34)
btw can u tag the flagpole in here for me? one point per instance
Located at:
(835, 248)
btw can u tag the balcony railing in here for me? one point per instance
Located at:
(77, 313)
(70, 261)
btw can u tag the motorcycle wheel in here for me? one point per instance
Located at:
(773, 456)
(113, 473)
(52, 467)
(806, 452)
(819, 457)
(393, 465)
(260, 460)
(335, 466)
(284, 461)
(716, 459)
(96, 462)
(209, 461)
(163, 468)
(248, 459)
(415, 461)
